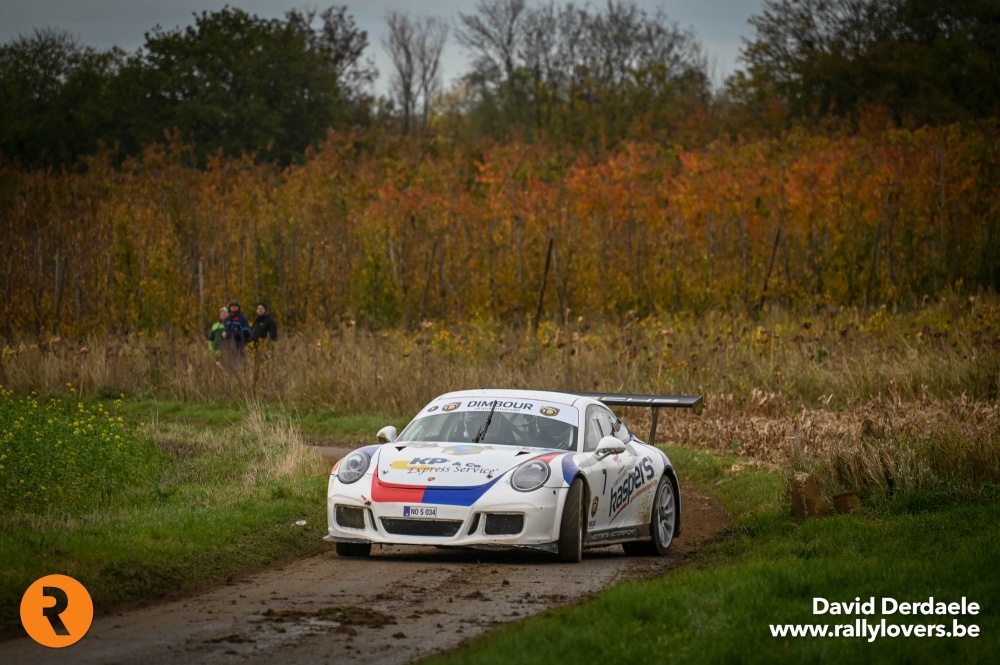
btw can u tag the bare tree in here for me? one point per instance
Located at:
(431, 37)
(401, 45)
(494, 35)
(623, 63)
(625, 40)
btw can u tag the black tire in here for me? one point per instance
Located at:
(662, 522)
(571, 525)
(354, 549)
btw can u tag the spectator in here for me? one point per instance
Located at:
(215, 332)
(236, 332)
(264, 325)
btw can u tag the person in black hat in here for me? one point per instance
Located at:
(237, 329)
(264, 325)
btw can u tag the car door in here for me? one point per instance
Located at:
(605, 476)
(634, 497)
(636, 480)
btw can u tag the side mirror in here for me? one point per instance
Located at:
(387, 434)
(609, 445)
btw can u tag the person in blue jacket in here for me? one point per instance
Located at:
(236, 331)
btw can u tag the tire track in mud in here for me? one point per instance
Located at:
(394, 607)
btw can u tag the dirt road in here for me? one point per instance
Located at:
(394, 607)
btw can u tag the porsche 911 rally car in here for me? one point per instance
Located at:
(558, 472)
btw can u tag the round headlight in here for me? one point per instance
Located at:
(530, 476)
(353, 467)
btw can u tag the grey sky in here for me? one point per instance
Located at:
(718, 24)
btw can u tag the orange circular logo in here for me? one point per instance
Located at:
(56, 611)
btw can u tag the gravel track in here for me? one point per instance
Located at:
(397, 606)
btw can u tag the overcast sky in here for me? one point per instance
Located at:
(718, 24)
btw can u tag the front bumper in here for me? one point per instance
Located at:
(501, 518)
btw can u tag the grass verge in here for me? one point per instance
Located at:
(316, 425)
(226, 501)
(767, 569)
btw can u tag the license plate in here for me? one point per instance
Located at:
(419, 511)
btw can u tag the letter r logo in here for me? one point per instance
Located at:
(56, 611)
(53, 613)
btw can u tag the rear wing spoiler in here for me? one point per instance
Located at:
(655, 402)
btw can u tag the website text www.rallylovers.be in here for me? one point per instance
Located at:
(862, 628)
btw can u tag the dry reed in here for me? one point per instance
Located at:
(874, 400)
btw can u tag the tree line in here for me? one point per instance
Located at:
(924, 62)
(389, 233)
(588, 77)
(232, 82)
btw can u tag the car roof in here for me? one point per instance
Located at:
(547, 395)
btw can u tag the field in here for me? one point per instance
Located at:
(859, 395)
(898, 406)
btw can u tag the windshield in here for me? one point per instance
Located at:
(513, 423)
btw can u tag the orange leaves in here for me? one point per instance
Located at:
(405, 232)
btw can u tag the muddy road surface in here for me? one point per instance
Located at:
(395, 607)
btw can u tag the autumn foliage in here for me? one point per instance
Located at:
(387, 233)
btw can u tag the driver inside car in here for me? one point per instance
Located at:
(499, 431)
(555, 433)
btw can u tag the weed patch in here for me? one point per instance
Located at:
(66, 457)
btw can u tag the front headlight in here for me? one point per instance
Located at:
(353, 467)
(530, 476)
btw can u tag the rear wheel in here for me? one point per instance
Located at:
(571, 524)
(354, 549)
(662, 522)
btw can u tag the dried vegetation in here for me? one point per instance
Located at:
(896, 405)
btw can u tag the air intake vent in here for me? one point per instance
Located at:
(475, 524)
(503, 524)
(433, 528)
(350, 517)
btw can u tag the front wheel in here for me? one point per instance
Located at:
(662, 523)
(354, 549)
(571, 525)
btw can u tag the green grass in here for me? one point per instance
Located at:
(223, 500)
(202, 413)
(343, 428)
(767, 569)
(751, 491)
(157, 549)
(315, 424)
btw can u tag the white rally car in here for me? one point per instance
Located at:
(558, 472)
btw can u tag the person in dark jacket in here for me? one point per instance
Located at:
(236, 332)
(264, 325)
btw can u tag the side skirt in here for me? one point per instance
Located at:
(618, 535)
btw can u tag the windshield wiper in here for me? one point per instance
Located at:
(482, 430)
